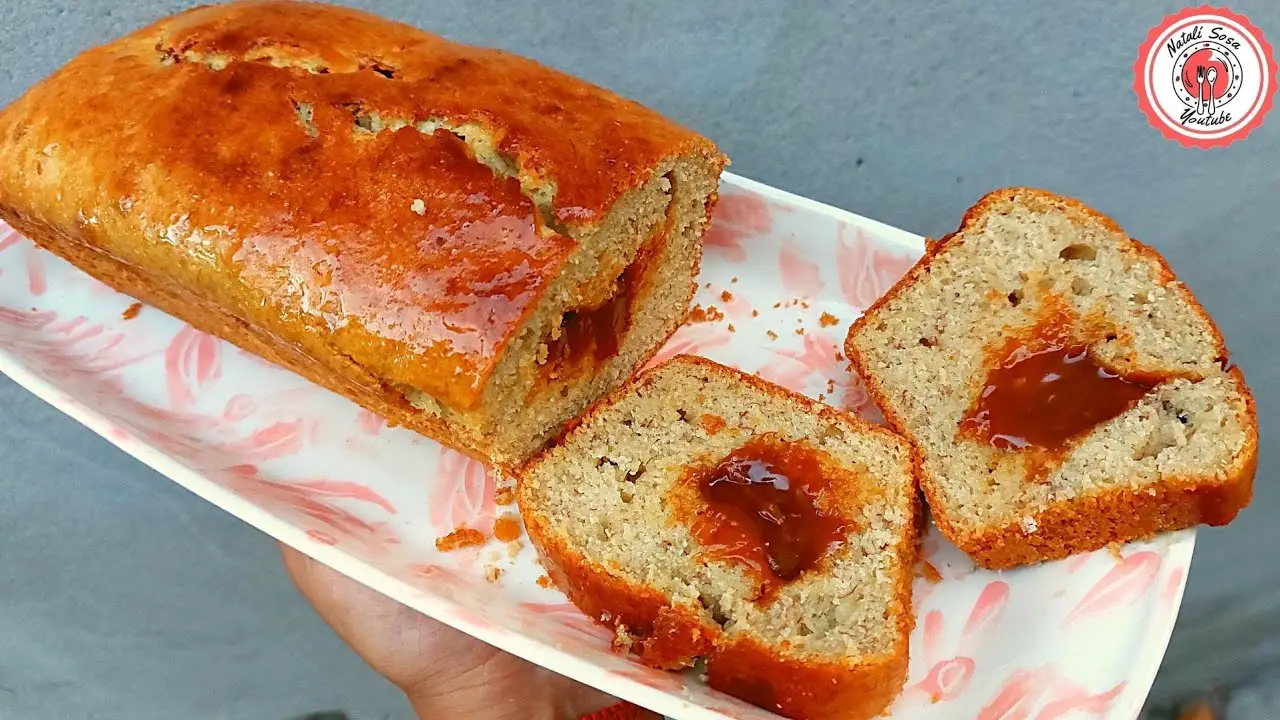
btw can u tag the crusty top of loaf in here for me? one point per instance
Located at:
(409, 196)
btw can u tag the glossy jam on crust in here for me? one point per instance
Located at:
(369, 193)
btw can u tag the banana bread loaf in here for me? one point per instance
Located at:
(459, 239)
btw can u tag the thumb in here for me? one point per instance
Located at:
(444, 672)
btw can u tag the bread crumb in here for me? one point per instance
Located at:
(712, 423)
(1115, 550)
(839, 356)
(822, 397)
(733, 279)
(513, 549)
(132, 311)
(755, 313)
(543, 581)
(708, 286)
(622, 639)
(930, 573)
(504, 495)
(831, 386)
(726, 296)
(828, 320)
(732, 328)
(507, 528)
(804, 304)
(710, 314)
(463, 537)
(777, 305)
(772, 335)
(492, 573)
(418, 207)
(799, 331)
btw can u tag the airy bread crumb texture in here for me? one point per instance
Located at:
(606, 493)
(927, 347)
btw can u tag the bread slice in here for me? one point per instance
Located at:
(620, 525)
(460, 239)
(1180, 450)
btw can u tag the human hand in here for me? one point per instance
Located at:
(443, 672)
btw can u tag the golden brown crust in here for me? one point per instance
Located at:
(280, 162)
(672, 637)
(353, 381)
(808, 689)
(1089, 523)
(663, 636)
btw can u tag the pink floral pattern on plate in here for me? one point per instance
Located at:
(1078, 638)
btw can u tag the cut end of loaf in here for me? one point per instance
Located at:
(618, 298)
(611, 512)
(929, 347)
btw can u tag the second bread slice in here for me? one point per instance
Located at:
(621, 513)
(1064, 390)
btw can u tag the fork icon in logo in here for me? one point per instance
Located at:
(1206, 102)
(1200, 104)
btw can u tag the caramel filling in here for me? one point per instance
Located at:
(1045, 390)
(590, 336)
(770, 507)
(1045, 398)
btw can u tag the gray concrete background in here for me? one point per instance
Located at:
(122, 596)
